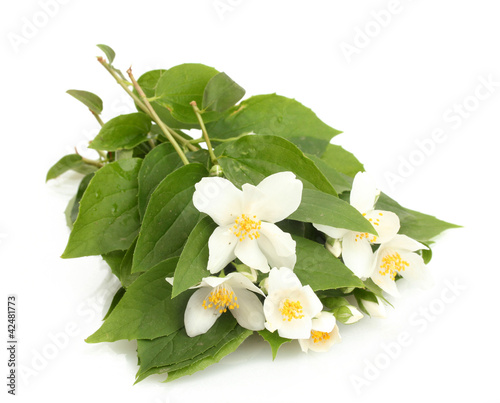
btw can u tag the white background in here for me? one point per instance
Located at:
(422, 61)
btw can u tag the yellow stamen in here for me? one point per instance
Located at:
(246, 226)
(369, 237)
(319, 337)
(392, 265)
(221, 299)
(291, 310)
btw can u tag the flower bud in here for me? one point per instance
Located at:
(333, 246)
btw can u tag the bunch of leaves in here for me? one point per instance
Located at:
(134, 205)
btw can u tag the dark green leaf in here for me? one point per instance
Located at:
(193, 262)
(342, 161)
(276, 115)
(147, 310)
(419, 226)
(320, 269)
(169, 219)
(117, 298)
(90, 100)
(337, 179)
(125, 272)
(114, 261)
(321, 208)
(252, 158)
(110, 53)
(71, 211)
(274, 340)
(181, 85)
(69, 162)
(221, 93)
(123, 132)
(108, 218)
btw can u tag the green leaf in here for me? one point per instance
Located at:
(274, 340)
(125, 271)
(320, 269)
(275, 115)
(364, 295)
(109, 218)
(419, 226)
(342, 160)
(90, 100)
(69, 162)
(178, 347)
(252, 158)
(147, 310)
(158, 164)
(231, 343)
(337, 179)
(117, 298)
(321, 208)
(114, 261)
(192, 267)
(110, 53)
(181, 85)
(123, 132)
(148, 82)
(221, 93)
(169, 219)
(71, 211)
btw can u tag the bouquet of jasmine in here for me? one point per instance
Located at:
(259, 225)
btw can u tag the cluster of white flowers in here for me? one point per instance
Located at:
(246, 231)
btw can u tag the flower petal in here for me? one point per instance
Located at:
(310, 302)
(282, 278)
(237, 280)
(417, 272)
(281, 242)
(249, 253)
(386, 223)
(364, 193)
(324, 322)
(404, 242)
(332, 232)
(281, 196)
(384, 281)
(357, 254)
(250, 313)
(197, 319)
(296, 328)
(218, 198)
(221, 245)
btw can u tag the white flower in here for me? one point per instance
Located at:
(324, 334)
(356, 315)
(289, 306)
(217, 295)
(356, 246)
(397, 257)
(374, 309)
(246, 220)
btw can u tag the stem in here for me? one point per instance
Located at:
(205, 134)
(97, 164)
(155, 117)
(98, 118)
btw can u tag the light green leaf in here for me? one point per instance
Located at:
(72, 162)
(147, 310)
(181, 85)
(320, 269)
(252, 158)
(90, 100)
(337, 179)
(123, 132)
(274, 340)
(169, 219)
(342, 160)
(108, 218)
(192, 267)
(221, 93)
(110, 53)
(322, 208)
(275, 115)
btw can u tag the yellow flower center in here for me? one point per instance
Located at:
(319, 337)
(221, 298)
(245, 226)
(291, 310)
(371, 238)
(392, 265)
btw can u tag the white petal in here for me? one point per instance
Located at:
(238, 280)
(358, 255)
(375, 310)
(221, 246)
(417, 272)
(249, 253)
(332, 232)
(364, 193)
(404, 242)
(250, 314)
(218, 198)
(282, 194)
(356, 315)
(386, 223)
(310, 302)
(282, 279)
(321, 346)
(282, 242)
(324, 322)
(197, 319)
(384, 281)
(335, 249)
(296, 328)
